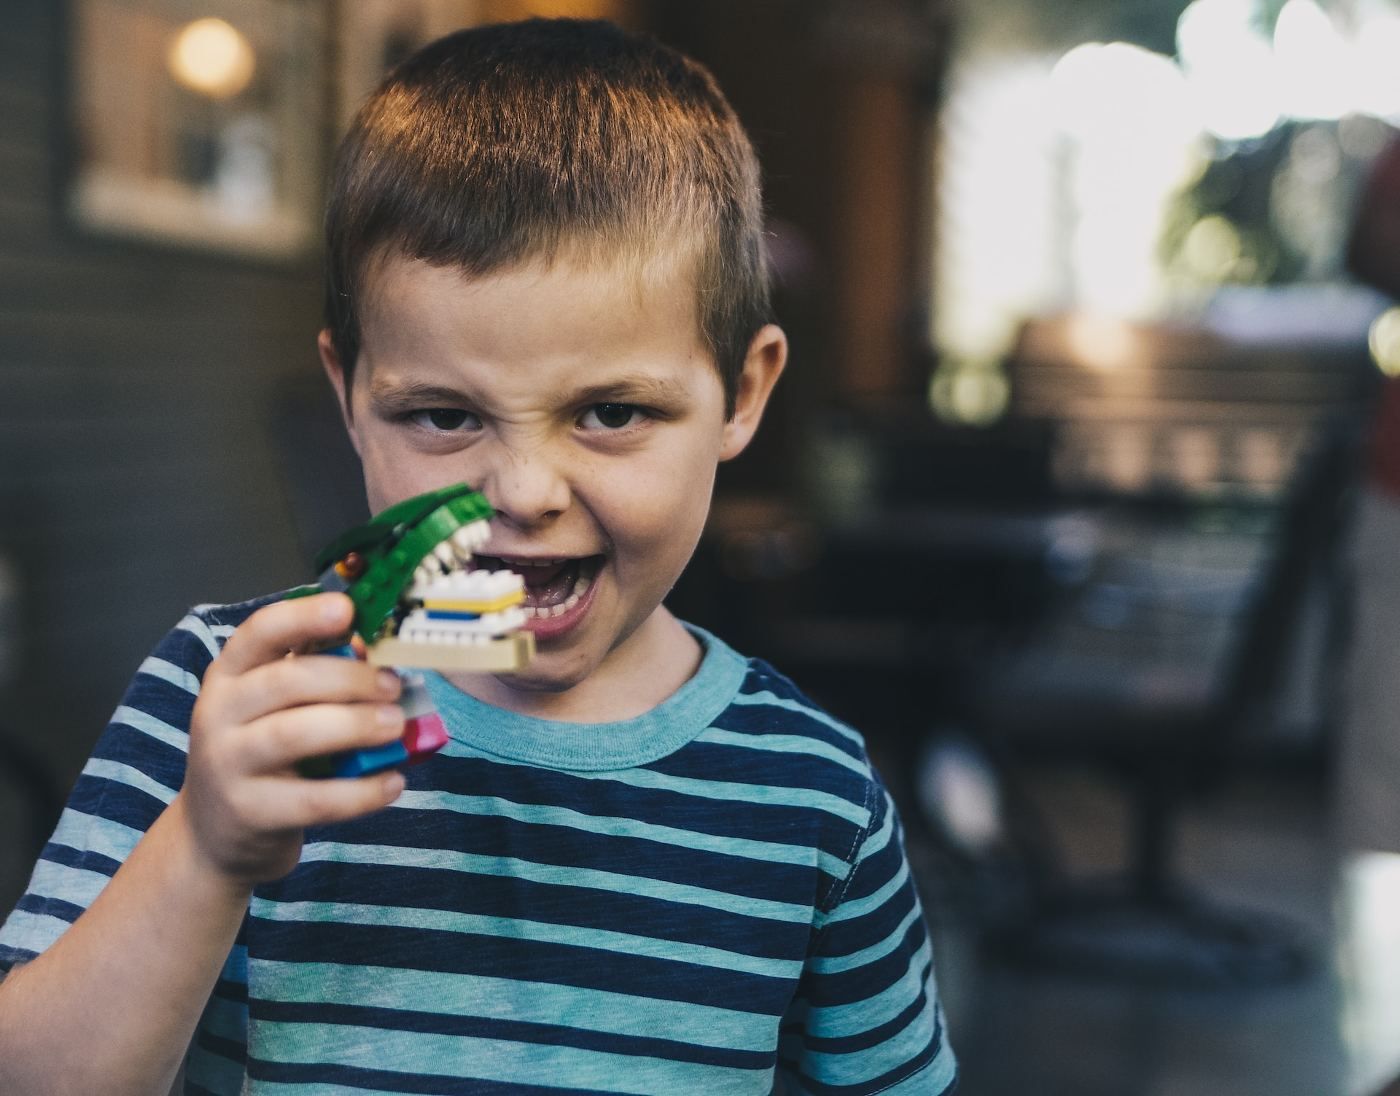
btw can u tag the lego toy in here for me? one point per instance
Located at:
(420, 604)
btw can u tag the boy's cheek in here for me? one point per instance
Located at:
(393, 471)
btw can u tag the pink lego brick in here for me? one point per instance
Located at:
(423, 735)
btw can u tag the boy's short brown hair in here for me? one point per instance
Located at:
(528, 140)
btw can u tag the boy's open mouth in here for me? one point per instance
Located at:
(552, 586)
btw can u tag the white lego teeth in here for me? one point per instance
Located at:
(418, 627)
(468, 585)
(452, 554)
(463, 545)
(469, 538)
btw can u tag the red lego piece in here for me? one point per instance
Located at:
(423, 735)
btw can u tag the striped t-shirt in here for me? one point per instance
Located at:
(710, 898)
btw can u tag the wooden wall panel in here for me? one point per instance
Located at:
(138, 475)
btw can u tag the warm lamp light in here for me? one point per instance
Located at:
(211, 57)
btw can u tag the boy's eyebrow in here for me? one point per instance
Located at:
(633, 389)
(406, 395)
(409, 395)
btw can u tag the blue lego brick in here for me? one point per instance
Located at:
(364, 762)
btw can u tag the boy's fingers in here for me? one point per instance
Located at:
(278, 741)
(306, 679)
(285, 626)
(293, 803)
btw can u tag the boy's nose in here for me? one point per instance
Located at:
(525, 490)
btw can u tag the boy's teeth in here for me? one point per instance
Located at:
(543, 611)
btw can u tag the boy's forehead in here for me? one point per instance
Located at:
(621, 319)
(638, 267)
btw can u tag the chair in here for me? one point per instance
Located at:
(1166, 737)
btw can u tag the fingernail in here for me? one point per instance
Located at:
(389, 715)
(394, 783)
(332, 610)
(389, 684)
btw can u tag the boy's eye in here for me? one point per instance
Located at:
(610, 416)
(446, 419)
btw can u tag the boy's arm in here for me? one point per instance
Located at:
(177, 1086)
(111, 1006)
(867, 1017)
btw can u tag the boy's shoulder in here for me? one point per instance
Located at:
(775, 737)
(200, 634)
(231, 615)
(769, 712)
(773, 696)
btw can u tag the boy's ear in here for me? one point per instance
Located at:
(335, 371)
(763, 365)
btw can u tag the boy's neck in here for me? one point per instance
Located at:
(646, 668)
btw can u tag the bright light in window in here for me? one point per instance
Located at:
(1229, 65)
(1376, 49)
(1213, 33)
(1133, 134)
(1122, 89)
(1056, 178)
(211, 57)
(997, 207)
(1075, 83)
(1316, 67)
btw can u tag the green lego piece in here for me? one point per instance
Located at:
(391, 546)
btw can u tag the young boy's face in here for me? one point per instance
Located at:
(584, 404)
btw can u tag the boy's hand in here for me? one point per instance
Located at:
(258, 714)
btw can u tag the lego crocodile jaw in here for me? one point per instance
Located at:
(452, 554)
(460, 617)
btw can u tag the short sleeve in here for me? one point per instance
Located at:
(866, 1018)
(135, 770)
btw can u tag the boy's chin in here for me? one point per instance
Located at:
(564, 666)
(551, 672)
(535, 679)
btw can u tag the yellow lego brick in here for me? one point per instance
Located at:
(495, 605)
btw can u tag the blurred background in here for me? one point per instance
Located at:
(1081, 497)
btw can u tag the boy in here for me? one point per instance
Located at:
(643, 864)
